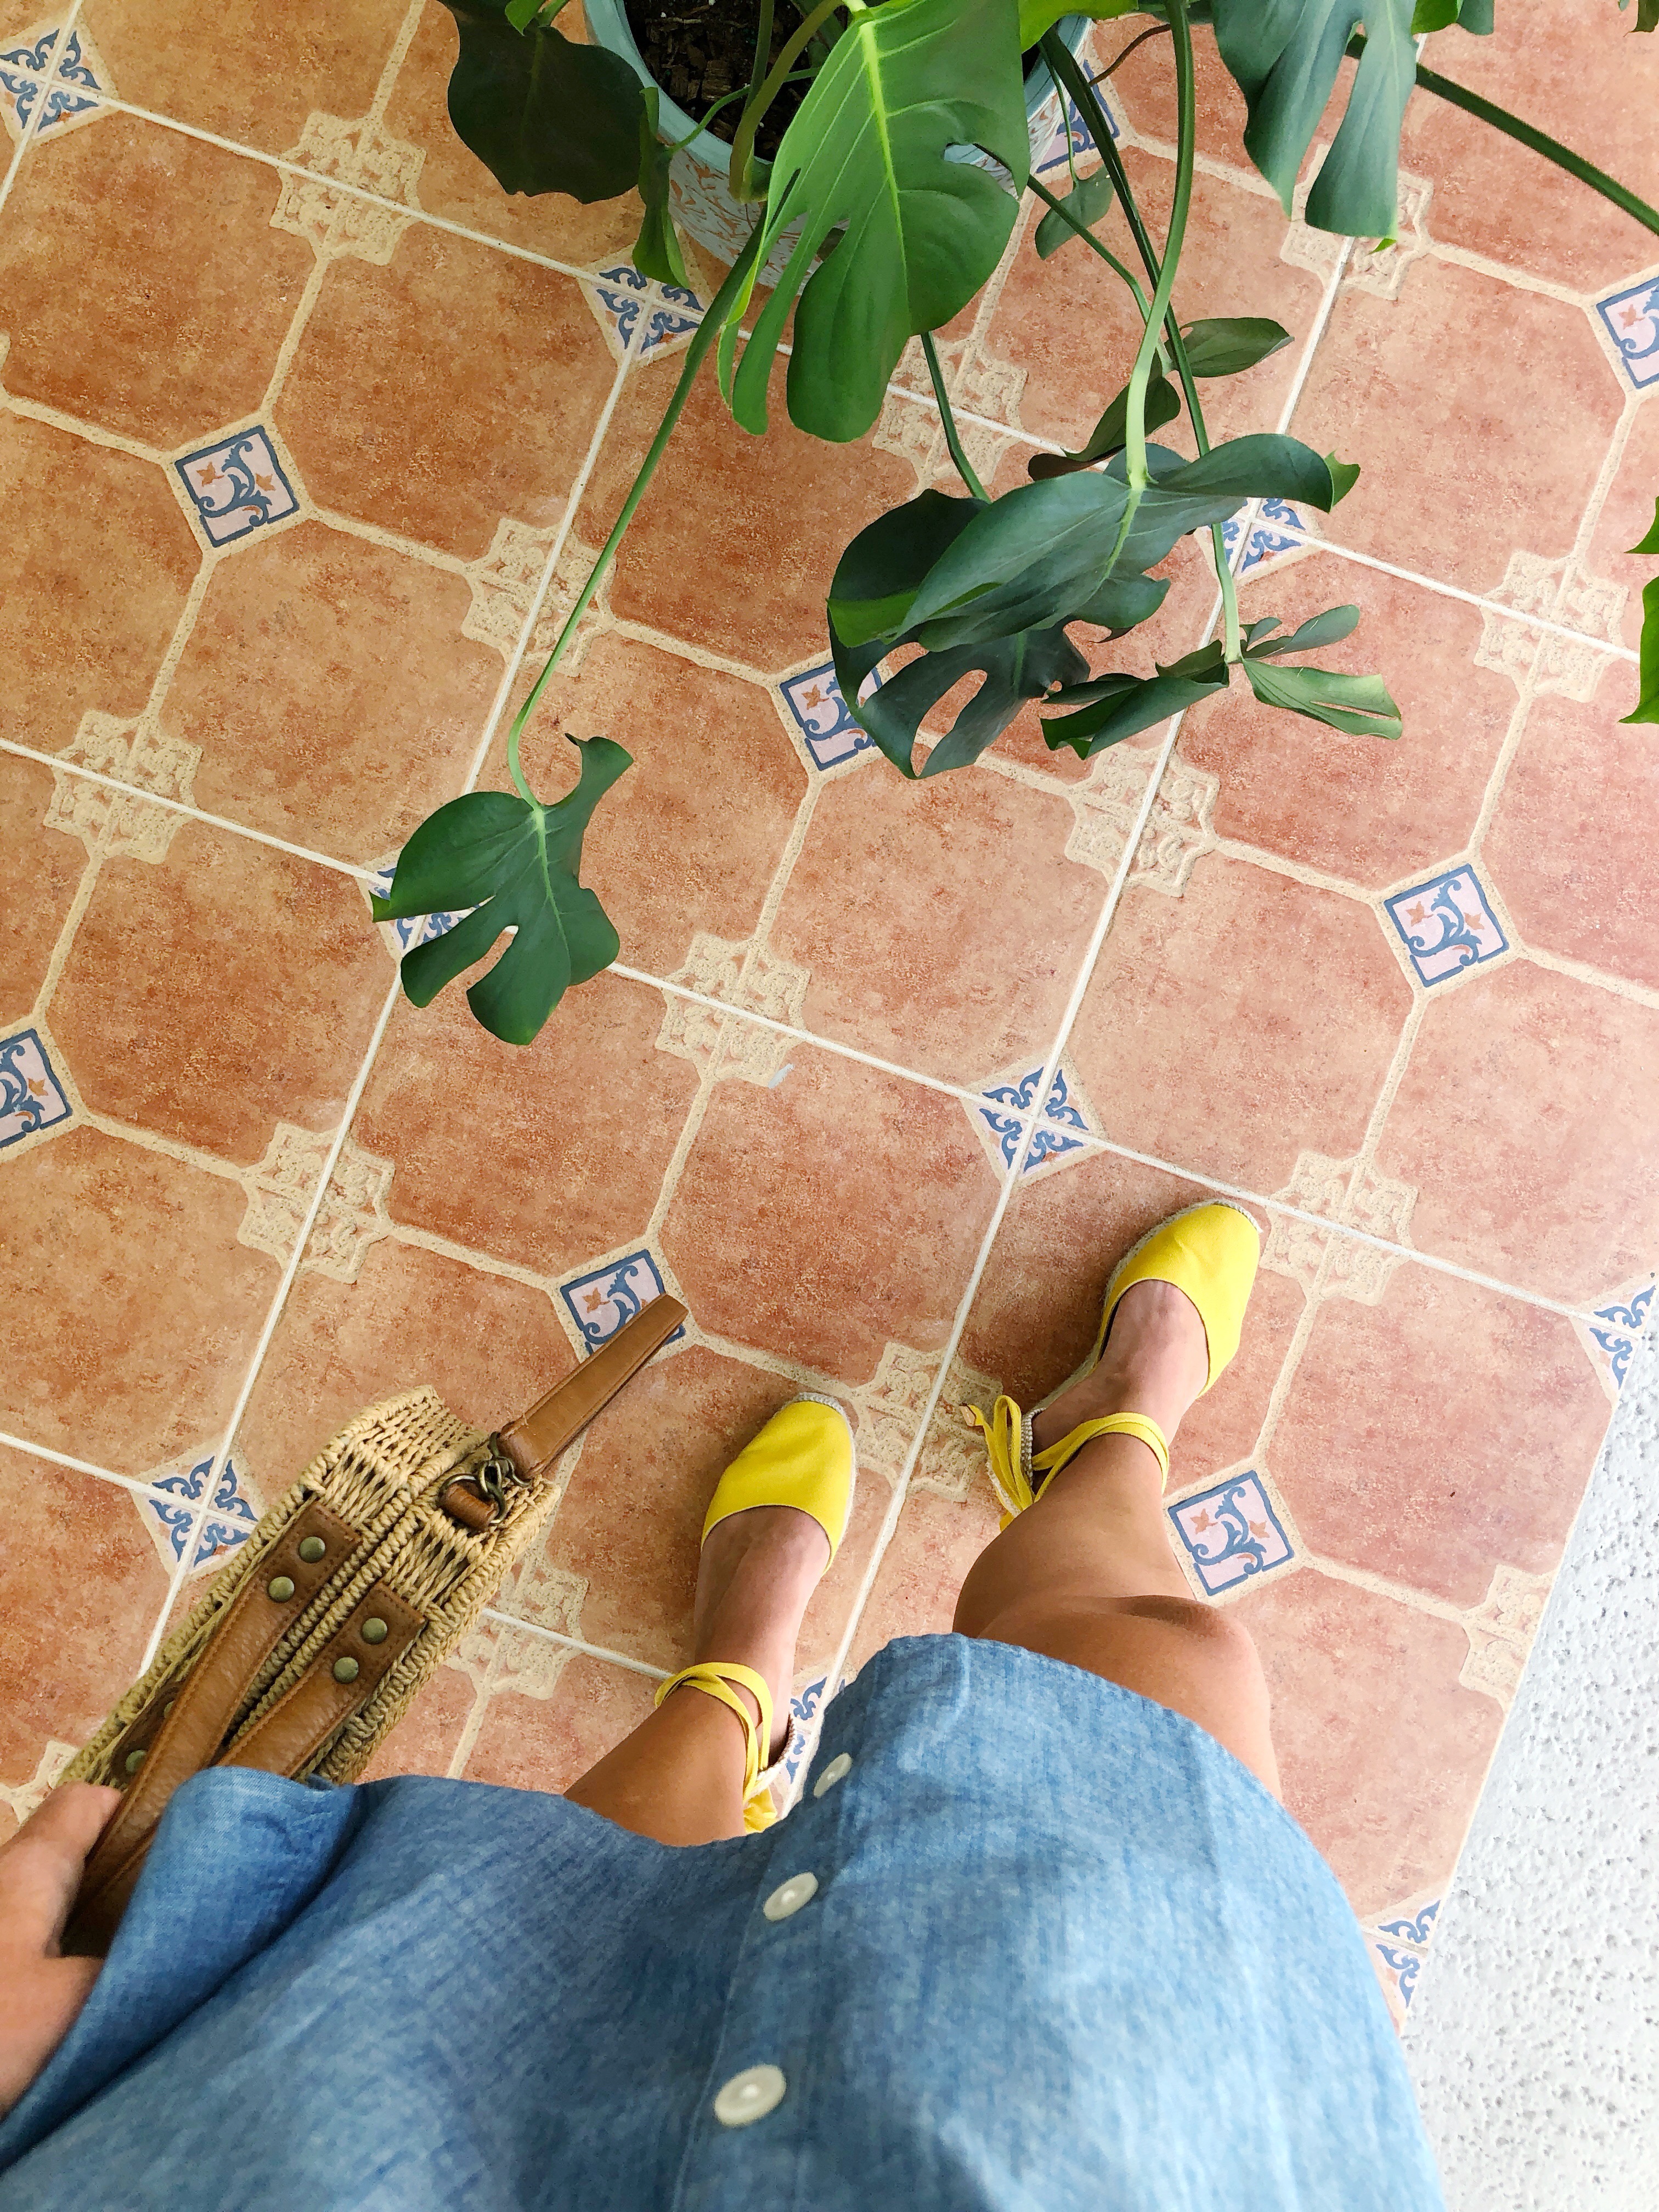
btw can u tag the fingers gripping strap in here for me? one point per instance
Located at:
(714, 1677)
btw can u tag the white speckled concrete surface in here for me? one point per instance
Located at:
(1534, 2037)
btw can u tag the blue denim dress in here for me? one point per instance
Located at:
(1058, 1948)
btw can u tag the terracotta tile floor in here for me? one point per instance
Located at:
(301, 477)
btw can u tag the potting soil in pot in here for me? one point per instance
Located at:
(700, 49)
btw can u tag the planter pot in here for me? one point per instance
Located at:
(698, 192)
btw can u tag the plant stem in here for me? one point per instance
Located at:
(1094, 122)
(1539, 141)
(1134, 450)
(1083, 232)
(742, 145)
(951, 439)
(1157, 31)
(795, 76)
(707, 330)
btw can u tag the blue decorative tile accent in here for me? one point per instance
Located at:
(31, 1096)
(417, 928)
(814, 698)
(619, 291)
(1231, 1531)
(1626, 1321)
(237, 486)
(1402, 1955)
(803, 1708)
(601, 1301)
(1448, 925)
(1012, 1101)
(1072, 139)
(25, 69)
(1632, 318)
(230, 1516)
(1269, 537)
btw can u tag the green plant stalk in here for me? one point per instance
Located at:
(740, 175)
(796, 76)
(1083, 232)
(951, 439)
(757, 75)
(707, 330)
(1081, 90)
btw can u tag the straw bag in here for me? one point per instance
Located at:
(308, 1646)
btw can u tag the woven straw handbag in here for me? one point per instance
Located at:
(309, 1645)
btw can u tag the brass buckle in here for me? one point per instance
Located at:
(495, 1474)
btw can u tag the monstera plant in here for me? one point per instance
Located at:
(887, 205)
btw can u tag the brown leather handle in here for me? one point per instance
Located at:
(557, 1420)
(349, 1668)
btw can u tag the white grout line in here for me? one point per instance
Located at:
(85, 1466)
(44, 84)
(574, 1644)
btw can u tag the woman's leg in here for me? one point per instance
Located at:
(1086, 1575)
(679, 1776)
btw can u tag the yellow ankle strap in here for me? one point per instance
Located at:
(1018, 1474)
(714, 1677)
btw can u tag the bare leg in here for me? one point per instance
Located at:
(679, 1776)
(1087, 1574)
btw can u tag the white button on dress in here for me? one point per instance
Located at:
(839, 1766)
(790, 1896)
(750, 2095)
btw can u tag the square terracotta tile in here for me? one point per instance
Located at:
(332, 689)
(1577, 72)
(80, 635)
(1067, 327)
(81, 1589)
(1521, 1126)
(1425, 421)
(513, 1152)
(618, 1564)
(216, 988)
(1439, 1437)
(829, 1215)
(135, 1307)
(432, 1735)
(938, 1536)
(1609, 566)
(445, 391)
(183, 292)
(552, 1713)
(686, 848)
(1372, 811)
(453, 183)
(1381, 1750)
(1241, 1022)
(243, 72)
(33, 854)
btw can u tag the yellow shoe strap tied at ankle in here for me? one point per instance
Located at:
(714, 1678)
(1016, 1486)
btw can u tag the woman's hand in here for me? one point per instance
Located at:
(40, 1991)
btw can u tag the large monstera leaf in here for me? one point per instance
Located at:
(514, 862)
(866, 157)
(543, 113)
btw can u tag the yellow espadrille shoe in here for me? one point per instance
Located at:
(1210, 1252)
(803, 1457)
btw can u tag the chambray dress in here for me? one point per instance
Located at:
(1062, 1951)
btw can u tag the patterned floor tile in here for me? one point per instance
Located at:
(1246, 1020)
(1368, 810)
(552, 1713)
(432, 1734)
(1381, 1751)
(134, 1308)
(183, 291)
(1626, 518)
(938, 1538)
(1384, 390)
(80, 1591)
(43, 872)
(79, 634)
(1440, 1434)
(1496, 198)
(443, 389)
(218, 990)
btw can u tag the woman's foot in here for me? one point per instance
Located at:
(1155, 1363)
(757, 1571)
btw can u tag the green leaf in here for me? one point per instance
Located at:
(1225, 344)
(865, 155)
(1469, 15)
(1344, 475)
(1647, 704)
(1189, 495)
(1285, 55)
(515, 863)
(1036, 16)
(1034, 558)
(1025, 666)
(1651, 543)
(657, 249)
(1433, 15)
(1335, 623)
(1162, 405)
(1647, 15)
(1125, 704)
(544, 114)
(1092, 198)
(1358, 704)
(881, 571)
